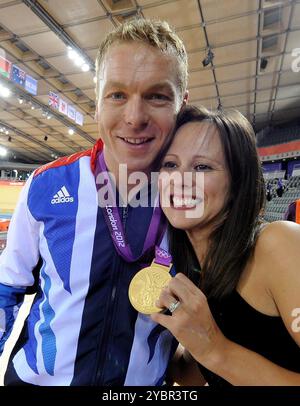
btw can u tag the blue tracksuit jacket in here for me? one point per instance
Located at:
(82, 329)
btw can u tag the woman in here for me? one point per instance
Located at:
(239, 282)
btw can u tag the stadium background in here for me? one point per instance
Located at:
(243, 54)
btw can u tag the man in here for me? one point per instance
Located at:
(279, 188)
(82, 329)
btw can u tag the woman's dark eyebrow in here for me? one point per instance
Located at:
(197, 156)
(205, 157)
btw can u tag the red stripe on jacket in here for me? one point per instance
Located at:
(67, 160)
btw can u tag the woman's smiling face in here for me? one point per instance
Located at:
(197, 150)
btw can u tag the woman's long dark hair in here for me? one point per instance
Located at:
(237, 225)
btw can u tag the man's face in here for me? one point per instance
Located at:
(139, 98)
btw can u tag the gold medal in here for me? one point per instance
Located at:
(146, 286)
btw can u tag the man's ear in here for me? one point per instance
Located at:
(96, 112)
(185, 99)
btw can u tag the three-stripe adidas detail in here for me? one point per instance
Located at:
(62, 196)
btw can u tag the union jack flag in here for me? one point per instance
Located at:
(53, 100)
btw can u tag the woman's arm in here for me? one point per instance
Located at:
(240, 366)
(183, 370)
(194, 327)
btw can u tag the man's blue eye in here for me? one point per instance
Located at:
(117, 96)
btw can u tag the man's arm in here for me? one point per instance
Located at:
(10, 302)
(17, 262)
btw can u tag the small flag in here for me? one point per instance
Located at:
(53, 100)
(31, 85)
(5, 67)
(71, 112)
(63, 107)
(18, 75)
(79, 118)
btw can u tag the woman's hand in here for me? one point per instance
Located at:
(192, 322)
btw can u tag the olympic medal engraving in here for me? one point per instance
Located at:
(146, 286)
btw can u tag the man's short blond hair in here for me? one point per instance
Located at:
(151, 32)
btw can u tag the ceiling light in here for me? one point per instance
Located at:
(85, 67)
(6, 132)
(3, 151)
(4, 91)
(71, 131)
(79, 61)
(21, 100)
(72, 54)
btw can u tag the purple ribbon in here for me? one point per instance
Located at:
(162, 257)
(114, 223)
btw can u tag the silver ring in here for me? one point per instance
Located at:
(173, 306)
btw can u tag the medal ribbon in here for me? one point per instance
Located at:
(114, 223)
(162, 257)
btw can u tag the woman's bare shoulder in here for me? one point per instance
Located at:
(279, 237)
(278, 252)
